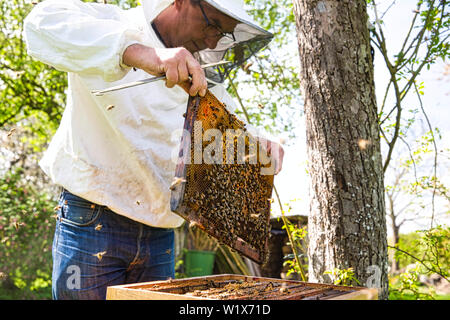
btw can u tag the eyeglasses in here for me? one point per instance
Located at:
(214, 29)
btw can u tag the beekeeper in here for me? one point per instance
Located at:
(112, 154)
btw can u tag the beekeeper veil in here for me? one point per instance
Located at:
(237, 47)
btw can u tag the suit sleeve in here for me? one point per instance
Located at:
(84, 38)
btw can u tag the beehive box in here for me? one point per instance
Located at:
(237, 287)
(221, 184)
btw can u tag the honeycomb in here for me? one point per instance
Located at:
(218, 184)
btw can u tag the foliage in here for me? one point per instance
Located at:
(179, 272)
(26, 233)
(297, 236)
(408, 287)
(435, 243)
(197, 239)
(427, 251)
(31, 92)
(425, 43)
(427, 247)
(229, 261)
(270, 78)
(407, 243)
(343, 277)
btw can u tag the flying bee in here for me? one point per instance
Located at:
(11, 132)
(18, 224)
(110, 107)
(99, 255)
(193, 224)
(246, 66)
(250, 158)
(363, 144)
(284, 290)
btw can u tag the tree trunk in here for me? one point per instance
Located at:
(347, 223)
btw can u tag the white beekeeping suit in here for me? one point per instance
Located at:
(115, 150)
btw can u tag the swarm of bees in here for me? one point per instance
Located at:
(231, 197)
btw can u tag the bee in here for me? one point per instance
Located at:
(176, 181)
(284, 290)
(138, 202)
(246, 66)
(18, 224)
(11, 132)
(110, 107)
(254, 215)
(250, 158)
(99, 255)
(363, 144)
(98, 227)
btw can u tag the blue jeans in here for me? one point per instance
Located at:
(94, 248)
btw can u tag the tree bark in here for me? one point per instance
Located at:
(347, 223)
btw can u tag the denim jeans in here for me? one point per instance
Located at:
(94, 248)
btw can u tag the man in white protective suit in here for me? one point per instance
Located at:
(113, 154)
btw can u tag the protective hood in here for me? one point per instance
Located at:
(247, 39)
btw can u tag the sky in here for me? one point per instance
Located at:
(292, 181)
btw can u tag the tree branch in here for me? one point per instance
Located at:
(435, 154)
(421, 262)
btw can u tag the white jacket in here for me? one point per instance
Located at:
(120, 157)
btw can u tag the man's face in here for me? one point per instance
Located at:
(204, 26)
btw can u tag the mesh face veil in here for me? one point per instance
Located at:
(237, 47)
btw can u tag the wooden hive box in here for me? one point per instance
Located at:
(237, 287)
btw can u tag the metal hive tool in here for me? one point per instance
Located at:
(229, 198)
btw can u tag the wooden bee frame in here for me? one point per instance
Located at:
(229, 200)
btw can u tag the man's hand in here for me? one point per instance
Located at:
(176, 63)
(275, 151)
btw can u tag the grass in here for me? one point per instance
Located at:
(22, 294)
(395, 295)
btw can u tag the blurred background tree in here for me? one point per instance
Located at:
(32, 97)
